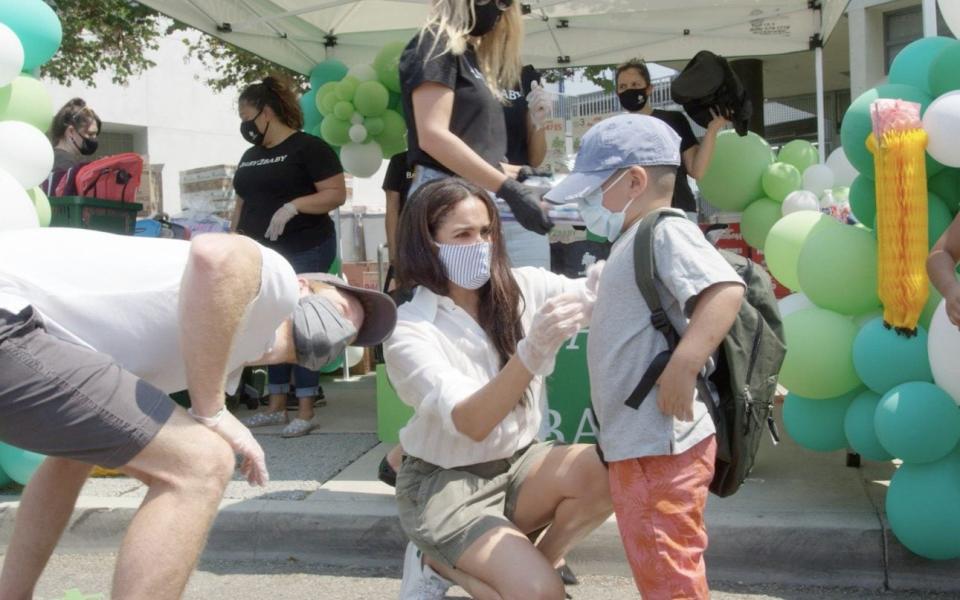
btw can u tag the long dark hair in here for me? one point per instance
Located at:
(278, 95)
(76, 113)
(418, 260)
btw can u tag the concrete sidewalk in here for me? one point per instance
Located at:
(803, 518)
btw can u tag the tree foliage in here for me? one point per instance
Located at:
(599, 75)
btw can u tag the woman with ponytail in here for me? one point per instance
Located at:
(74, 132)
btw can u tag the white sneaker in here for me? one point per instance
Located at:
(420, 582)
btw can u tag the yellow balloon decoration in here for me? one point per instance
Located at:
(898, 144)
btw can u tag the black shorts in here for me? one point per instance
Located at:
(61, 399)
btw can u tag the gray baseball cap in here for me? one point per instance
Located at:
(617, 143)
(379, 310)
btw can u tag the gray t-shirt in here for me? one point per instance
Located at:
(623, 342)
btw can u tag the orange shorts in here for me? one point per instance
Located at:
(659, 502)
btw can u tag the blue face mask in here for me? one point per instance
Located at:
(599, 219)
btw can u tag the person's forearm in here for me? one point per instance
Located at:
(454, 154)
(480, 414)
(941, 267)
(712, 318)
(536, 146)
(704, 153)
(322, 202)
(237, 209)
(221, 279)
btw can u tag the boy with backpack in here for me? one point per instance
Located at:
(661, 447)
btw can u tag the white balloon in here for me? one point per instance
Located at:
(11, 55)
(25, 153)
(794, 303)
(942, 124)
(943, 346)
(799, 200)
(363, 73)
(950, 11)
(16, 209)
(354, 356)
(361, 160)
(358, 133)
(817, 178)
(843, 172)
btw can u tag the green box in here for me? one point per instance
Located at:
(92, 213)
(392, 413)
(570, 416)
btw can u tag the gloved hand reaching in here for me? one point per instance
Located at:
(555, 322)
(279, 221)
(589, 293)
(524, 201)
(253, 465)
(539, 105)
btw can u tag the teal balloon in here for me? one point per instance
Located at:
(311, 114)
(758, 219)
(734, 178)
(334, 131)
(856, 125)
(396, 102)
(317, 130)
(26, 99)
(884, 360)
(911, 66)
(374, 125)
(371, 98)
(779, 179)
(819, 361)
(944, 74)
(946, 185)
(859, 429)
(799, 153)
(817, 424)
(346, 88)
(327, 71)
(38, 28)
(863, 200)
(923, 507)
(918, 422)
(933, 302)
(343, 110)
(837, 269)
(19, 464)
(939, 218)
(5, 480)
(387, 65)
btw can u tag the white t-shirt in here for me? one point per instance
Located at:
(119, 296)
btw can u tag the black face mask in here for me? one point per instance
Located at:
(250, 132)
(633, 100)
(487, 16)
(87, 147)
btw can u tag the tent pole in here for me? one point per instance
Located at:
(929, 18)
(821, 130)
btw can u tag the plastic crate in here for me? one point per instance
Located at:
(92, 213)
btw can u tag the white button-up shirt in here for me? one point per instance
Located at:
(438, 356)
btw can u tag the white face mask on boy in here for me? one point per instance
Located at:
(599, 219)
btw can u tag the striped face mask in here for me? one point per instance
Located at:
(467, 265)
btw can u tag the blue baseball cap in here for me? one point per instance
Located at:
(617, 143)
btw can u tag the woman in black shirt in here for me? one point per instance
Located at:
(286, 185)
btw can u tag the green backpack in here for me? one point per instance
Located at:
(749, 361)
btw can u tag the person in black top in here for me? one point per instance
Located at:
(634, 90)
(396, 186)
(526, 136)
(73, 131)
(286, 185)
(451, 75)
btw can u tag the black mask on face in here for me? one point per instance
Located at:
(487, 16)
(633, 100)
(250, 132)
(87, 146)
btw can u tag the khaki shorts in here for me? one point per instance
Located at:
(65, 400)
(444, 511)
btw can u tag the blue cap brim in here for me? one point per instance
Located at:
(577, 185)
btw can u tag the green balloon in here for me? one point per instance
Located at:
(859, 429)
(343, 110)
(785, 240)
(911, 66)
(841, 193)
(38, 28)
(757, 219)
(327, 104)
(371, 98)
(346, 88)
(779, 179)
(856, 124)
(939, 218)
(394, 127)
(799, 153)
(335, 132)
(946, 185)
(918, 422)
(733, 179)
(819, 361)
(863, 200)
(387, 65)
(944, 73)
(26, 99)
(837, 269)
(41, 204)
(817, 424)
(883, 359)
(19, 464)
(311, 114)
(923, 507)
(330, 70)
(374, 125)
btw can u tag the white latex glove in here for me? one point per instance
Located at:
(280, 220)
(254, 464)
(539, 105)
(588, 295)
(559, 319)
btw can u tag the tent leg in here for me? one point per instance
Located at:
(929, 18)
(821, 130)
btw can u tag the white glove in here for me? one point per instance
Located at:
(559, 319)
(588, 295)
(539, 105)
(280, 220)
(254, 464)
